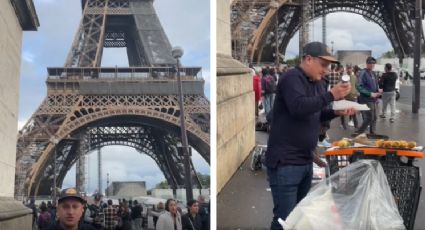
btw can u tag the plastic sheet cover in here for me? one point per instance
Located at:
(356, 197)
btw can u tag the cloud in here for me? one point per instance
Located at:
(21, 124)
(28, 57)
(347, 31)
(126, 164)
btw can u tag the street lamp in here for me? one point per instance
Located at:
(107, 184)
(55, 142)
(332, 47)
(416, 95)
(177, 53)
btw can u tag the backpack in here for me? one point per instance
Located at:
(44, 220)
(270, 84)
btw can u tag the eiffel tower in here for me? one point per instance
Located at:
(88, 106)
(262, 20)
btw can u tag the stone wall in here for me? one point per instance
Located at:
(10, 61)
(235, 97)
(13, 214)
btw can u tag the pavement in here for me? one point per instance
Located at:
(246, 203)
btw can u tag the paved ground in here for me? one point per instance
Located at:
(406, 94)
(246, 203)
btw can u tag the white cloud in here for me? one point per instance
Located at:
(126, 164)
(21, 124)
(28, 57)
(347, 31)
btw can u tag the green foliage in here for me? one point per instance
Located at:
(389, 54)
(294, 61)
(204, 179)
(162, 185)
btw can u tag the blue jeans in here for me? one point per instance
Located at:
(289, 185)
(369, 118)
(268, 102)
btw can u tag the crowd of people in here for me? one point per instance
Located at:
(73, 212)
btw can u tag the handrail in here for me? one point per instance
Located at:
(152, 73)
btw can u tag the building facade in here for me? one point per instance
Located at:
(235, 95)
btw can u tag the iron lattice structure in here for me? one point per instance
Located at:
(88, 107)
(256, 18)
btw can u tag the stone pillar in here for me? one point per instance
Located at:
(15, 16)
(235, 97)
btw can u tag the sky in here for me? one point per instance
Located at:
(186, 23)
(348, 31)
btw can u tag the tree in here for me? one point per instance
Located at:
(204, 179)
(389, 54)
(294, 61)
(162, 185)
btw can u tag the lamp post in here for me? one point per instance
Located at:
(55, 141)
(332, 47)
(177, 53)
(416, 95)
(107, 184)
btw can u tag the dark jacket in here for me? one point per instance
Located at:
(366, 85)
(136, 212)
(387, 82)
(80, 227)
(190, 223)
(300, 105)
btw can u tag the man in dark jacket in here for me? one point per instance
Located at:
(300, 105)
(387, 84)
(367, 86)
(136, 215)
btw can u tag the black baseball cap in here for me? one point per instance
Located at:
(318, 49)
(71, 193)
(370, 60)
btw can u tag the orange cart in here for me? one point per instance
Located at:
(398, 164)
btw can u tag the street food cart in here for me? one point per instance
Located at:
(397, 159)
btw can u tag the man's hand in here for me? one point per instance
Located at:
(345, 112)
(319, 162)
(340, 90)
(375, 95)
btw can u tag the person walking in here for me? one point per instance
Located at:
(124, 216)
(156, 212)
(136, 215)
(111, 217)
(33, 207)
(268, 87)
(352, 96)
(93, 214)
(387, 84)
(204, 212)
(192, 220)
(44, 219)
(300, 105)
(369, 92)
(256, 80)
(170, 219)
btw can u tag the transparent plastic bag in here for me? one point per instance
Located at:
(356, 197)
